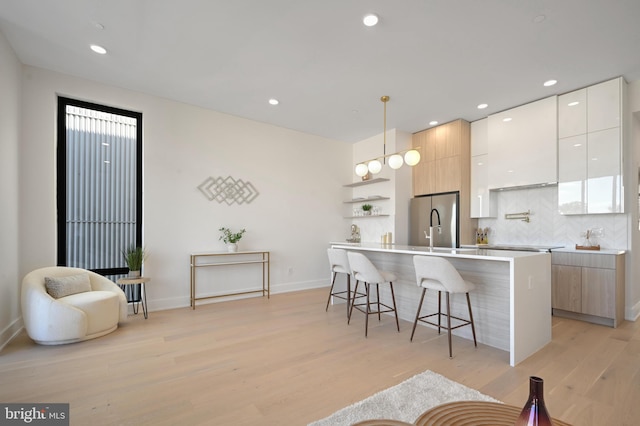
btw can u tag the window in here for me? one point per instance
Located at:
(99, 182)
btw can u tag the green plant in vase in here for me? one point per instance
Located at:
(134, 257)
(367, 209)
(231, 238)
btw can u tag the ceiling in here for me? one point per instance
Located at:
(436, 59)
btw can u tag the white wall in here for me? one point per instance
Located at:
(299, 178)
(398, 188)
(10, 319)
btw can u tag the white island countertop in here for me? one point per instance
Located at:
(511, 302)
(464, 252)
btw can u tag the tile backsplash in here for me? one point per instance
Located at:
(546, 225)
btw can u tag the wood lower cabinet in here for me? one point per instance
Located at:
(566, 290)
(588, 286)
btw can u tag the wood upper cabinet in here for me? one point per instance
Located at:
(445, 159)
(445, 156)
(424, 178)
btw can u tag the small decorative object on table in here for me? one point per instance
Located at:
(588, 242)
(367, 209)
(134, 256)
(231, 238)
(534, 411)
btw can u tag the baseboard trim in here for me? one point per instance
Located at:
(633, 313)
(10, 332)
(184, 301)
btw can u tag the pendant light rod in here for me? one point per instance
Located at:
(410, 156)
(384, 100)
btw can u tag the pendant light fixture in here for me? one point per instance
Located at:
(410, 156)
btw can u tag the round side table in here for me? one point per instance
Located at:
(138, 280)
(476, 413)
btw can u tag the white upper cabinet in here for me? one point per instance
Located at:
(480, 137)
(604, 172)
(482, 204)
(523, 145)
(603, 110)
(572, 174)
(590, 150)
(572, 114)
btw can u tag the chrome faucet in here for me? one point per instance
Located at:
(430, 235)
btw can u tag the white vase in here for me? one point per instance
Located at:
(232, 247)
(134, 274)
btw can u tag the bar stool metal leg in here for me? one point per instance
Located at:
(424, 290)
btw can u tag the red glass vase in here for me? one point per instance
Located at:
(534, 411)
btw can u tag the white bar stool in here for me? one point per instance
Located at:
(437, 273)
(339, 263)
(363, 270)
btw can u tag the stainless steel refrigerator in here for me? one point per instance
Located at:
(426, 210)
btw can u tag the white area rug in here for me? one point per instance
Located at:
(406, 401)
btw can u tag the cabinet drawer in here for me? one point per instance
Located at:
(591, 260)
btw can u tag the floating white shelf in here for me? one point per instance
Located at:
(366, 200)
(365, 182)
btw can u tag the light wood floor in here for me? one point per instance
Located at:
(285, 361)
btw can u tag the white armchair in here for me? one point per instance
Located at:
(92, 310)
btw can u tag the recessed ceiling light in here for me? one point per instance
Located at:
(577, 144)
(274, 101)
(539, 19)
(98, 49)
(550, 83)
(507, 119)
(98, 25)
(433, 123)
(483, 106)
(573, 103)
(370, 19)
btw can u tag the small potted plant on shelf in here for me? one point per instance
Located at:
(367, 209)
(231, 238)
(134, 257)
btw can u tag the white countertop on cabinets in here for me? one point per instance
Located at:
(465, 252)
(602, 251)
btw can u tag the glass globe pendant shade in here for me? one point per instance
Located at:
(395, 161)
(361, 169)
(412, 157)
(375, 166)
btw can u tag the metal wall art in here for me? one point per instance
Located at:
(228, 190)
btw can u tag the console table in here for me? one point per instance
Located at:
(208, 259)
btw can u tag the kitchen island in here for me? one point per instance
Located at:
(511, 302)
